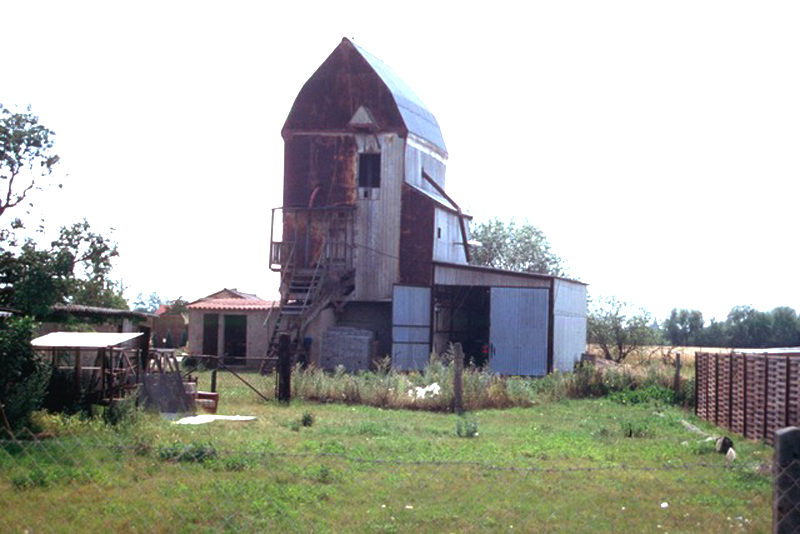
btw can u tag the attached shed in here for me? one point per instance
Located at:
(516, 323)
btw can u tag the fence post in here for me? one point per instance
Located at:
(284, 369)
(458, 371)
(786, 472)
(677, 382)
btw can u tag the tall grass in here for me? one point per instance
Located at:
(482, 389)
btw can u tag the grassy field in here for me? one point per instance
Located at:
(567, 466)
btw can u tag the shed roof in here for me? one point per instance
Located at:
(83, 339)
(97, 311)
(351, 78)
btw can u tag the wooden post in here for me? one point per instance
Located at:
(284, 369)
(677, 383)
(77, 383)
(102, 355)
(215, 364)
(786, 473)
(458, 371)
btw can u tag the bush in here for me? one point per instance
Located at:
(23, 376)
(654, 394)
(467, 426)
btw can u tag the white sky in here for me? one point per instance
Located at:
(655, 143)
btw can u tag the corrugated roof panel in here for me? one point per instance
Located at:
(83, 339)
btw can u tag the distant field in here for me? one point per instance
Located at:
(568, 466)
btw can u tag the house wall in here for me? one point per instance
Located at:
(257, 332)
(416, 238)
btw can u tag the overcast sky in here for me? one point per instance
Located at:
(657, 144)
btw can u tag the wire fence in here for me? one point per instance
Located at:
(124, 482)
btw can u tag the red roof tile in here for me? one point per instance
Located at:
(232, 304)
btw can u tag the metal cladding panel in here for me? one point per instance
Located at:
(411, 327)
(518, 331)
(448, 243)
(469, 275)
(418, 160)
(569, 328)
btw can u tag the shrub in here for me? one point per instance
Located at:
(307, 419)
(467, 426)
(654, 394)
(23, 376)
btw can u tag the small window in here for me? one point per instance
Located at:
(439, 232)
(369, 170)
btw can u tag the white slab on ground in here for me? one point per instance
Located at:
(207, 418)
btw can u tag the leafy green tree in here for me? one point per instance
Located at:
(26, 156)
(74, 269)
(785, 327)
(682, 326)
(152, 303)
(715, 334)
(619, 328)
(748, 327)
(514, 247)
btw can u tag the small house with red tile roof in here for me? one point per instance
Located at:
(231, 324)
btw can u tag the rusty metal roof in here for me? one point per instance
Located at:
(418, 118)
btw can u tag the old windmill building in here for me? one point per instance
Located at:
(373, 253)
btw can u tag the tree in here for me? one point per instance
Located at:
(619, 328)
(25, 156)
(74, 269)
(516, 248)
(785, 327)
(152, 303)
(682, 327)
(748, 327)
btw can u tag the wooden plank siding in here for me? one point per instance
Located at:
(377, 228)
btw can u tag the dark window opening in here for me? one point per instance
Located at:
(211, 334)
(235, 339)
(439, 232)
(369, 170)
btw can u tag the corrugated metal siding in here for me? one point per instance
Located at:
(417, 160)
(518, 331)
(569, 324)
(447, 239)
(455, 275)
(377, 229)
(411, 327)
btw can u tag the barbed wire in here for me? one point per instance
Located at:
(760, 467)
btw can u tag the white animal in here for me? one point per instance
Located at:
(730, 456)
